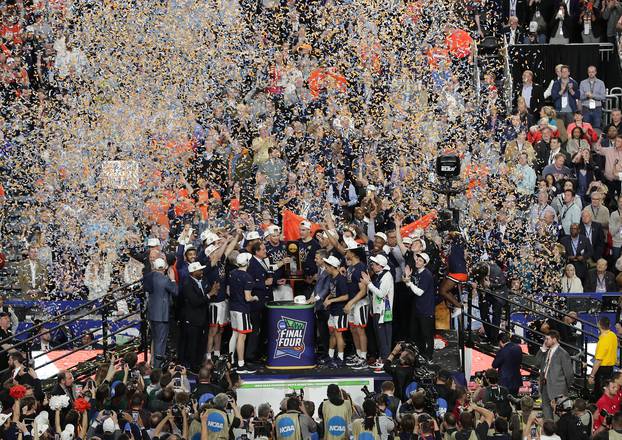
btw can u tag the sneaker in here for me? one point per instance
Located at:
(340, 363)
(246, 370)
(354, 360)
(332, 363)
(351, 357)
(360, 365)
(377, 364)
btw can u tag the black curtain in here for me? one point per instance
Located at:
(541, 59)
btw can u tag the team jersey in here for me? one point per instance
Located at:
(338, 287)
(353, 277)
(218, 274)
(239, 282)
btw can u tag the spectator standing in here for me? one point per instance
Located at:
(565, 93)
(593, 94)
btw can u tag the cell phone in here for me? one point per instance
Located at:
(127, 427)
(177, 382)
(78, 389)
(534, 432)
(135, 416)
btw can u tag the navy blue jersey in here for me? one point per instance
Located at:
(239, 281)
(353, 277)
(307, 256)
(217, 274)
(338, 287)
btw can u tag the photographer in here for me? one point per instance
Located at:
(392, 402)
(607, 405)
(336, 414)
(569, 426)
(403, 370)
(519, 418)
(468, 424)
(374, 423)
(294, 423)
(218, 424)
(263, 423)
(615, 431)
(493, 392)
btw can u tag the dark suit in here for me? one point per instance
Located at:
(195, 320)
(596, 238)
(260, 273)
(160, 292)
(542, 149)
(58, 390)
(583, 248)
(508, 361)
(591, 282)
(519, 36)
(522, 11)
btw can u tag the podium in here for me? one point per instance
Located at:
(291, 335)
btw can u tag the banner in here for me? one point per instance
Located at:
(291, 225)
(291, 335)
(421, 223)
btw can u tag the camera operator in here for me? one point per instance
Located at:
(612, 432)
(607, 405)
(569, 426)
(220, 424)
(427, 428)
(493, 392)
(294, 423)
(401, 370)
(336, 414)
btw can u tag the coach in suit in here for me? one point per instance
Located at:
(594, 233)
(194, 316)
(556, 372)
(160, 291)
(263, 278)
(578, 250)
(508, 361)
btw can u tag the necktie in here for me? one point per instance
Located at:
(548, 362)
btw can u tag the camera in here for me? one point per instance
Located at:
(221, 367)
(404, 345)
(369, 395)
(608, 417)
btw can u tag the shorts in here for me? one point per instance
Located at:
(219, 314)
(338, 322)
(241, 322)
(359, 315)
(458, 277)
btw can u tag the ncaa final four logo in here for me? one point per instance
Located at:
(291, 337)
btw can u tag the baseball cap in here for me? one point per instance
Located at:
(67, 434)
(371, 188)
(407, 240)
(159, 263)
(243, 258)
(332, 261)
(424, 256)
(210, 239)
(204, 234)
(272, 229)
(252, 235)
(380, 260)
(108, 425)
(189, 247)
(193, 267)
(152, 242)
(210, 249)
(381, 235)
(305, 224)
(350, 243)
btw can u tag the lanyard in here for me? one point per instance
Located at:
(574, 246)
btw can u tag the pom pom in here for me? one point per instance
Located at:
(17, 392)
(81, 405)
(59, 402)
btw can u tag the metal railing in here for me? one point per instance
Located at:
(102, 307)
(579, 354)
